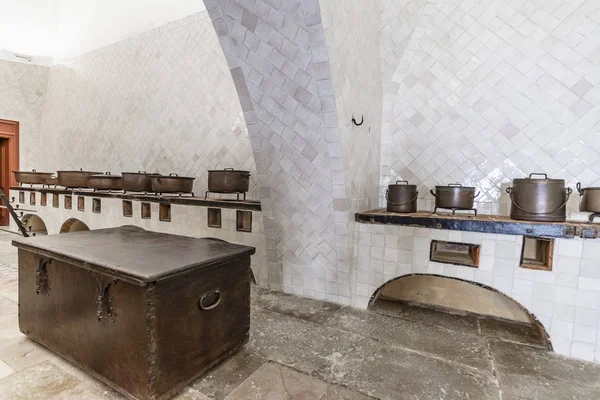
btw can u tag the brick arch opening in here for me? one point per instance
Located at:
(34, 224)
(454, 295)
(73, 225)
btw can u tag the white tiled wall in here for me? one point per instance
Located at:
(185, 220)
(22, 94)
(565, 300)
(486, 91)
(161, 101)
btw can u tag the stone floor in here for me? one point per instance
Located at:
(307, 349)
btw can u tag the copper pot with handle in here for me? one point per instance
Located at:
(454, 196)
(401, 197)
(539, 199)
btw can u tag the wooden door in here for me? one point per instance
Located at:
(9, 160)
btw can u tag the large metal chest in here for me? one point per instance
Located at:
(144, 312)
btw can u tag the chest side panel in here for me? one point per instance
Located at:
(90, 319)
(189, 339)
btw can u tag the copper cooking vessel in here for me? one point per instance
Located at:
(32, 177)
(541, 199)
(172, 183)
(228, 180)
(454, 196)
(75, 179)
(401, 197)
(137, 181)
(590, 199)
(105, 181)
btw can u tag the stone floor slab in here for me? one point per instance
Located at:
(8, 307)
(428, 316)
(512, 332)
(308, 309)
(220, 381)
(5, 369)
(302, 345)
(275, 382)
(454, 346)
(388, 372)
(22, 353)
(335, 392)
(42, 381)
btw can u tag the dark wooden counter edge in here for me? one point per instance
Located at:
(181, 200)
(470, 224)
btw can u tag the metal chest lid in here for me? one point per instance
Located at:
(133, 254)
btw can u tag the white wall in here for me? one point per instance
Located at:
(69, 28)
(85, 25)
(29, 26)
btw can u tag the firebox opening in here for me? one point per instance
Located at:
(454, 296)
(73, 225)
(537, 253)
(34, 224)
(455, 253)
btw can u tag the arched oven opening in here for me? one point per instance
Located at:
(490, 307)
(73, 225)
(34, 224)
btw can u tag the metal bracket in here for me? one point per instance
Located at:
(105, 306)
(362, 120)
(42, 286)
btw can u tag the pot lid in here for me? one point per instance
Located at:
(82, 172)
(229, 170)
(401, 183)
(171, 176)
(140, 173)
(453, 186)
(531, 180)
(33, 172)
(107, 175)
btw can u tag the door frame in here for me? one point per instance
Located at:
(9, 130)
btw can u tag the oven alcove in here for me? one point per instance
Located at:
(34, 224)
(73, 225)
(455, 296)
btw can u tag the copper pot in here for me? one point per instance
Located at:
(542, 199)
(32, 177)
(105, 182)
(590, 199)
(74, 179)
(402, 197)
(172, 183)
(454, 196)
(137, 181)
(228, 180)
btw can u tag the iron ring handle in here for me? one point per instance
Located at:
(228, 169)
(579, 189)
(107, 173)
(455, 184)
(537, 173)
(433, 193)
(173, 174)
(141, 172)
(397, 182)
(400, 204)
(568, 192)
(477, 195)
(33, 170)
(216, 292)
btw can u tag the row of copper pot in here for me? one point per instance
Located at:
(227, 180)
(532, 199)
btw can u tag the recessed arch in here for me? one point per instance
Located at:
(456, 294)
(73, 225)
(34, 224)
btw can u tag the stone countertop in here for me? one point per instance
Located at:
(499, 224)
(184, 199)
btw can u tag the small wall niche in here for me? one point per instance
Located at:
(537, 253)
(127, 208)
(164, 212)
(32, 198)
(81, 203)
(22, 197)
(97, 206)
(55, 200)
(44, 200)
(214, 218)
(146, 211)
(465, 254)
(243, 221)
(68, 202)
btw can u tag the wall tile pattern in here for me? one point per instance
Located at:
(161, 101)
(185, 220)
(22, 95)
(487, 91)
(278, 60)
(565, 300)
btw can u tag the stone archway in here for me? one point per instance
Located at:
(34, 224)
(279, 64)
(73, 225)
(454, 294)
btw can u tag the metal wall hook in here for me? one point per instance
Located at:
(362, 120)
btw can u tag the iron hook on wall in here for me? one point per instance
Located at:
(362, 120)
